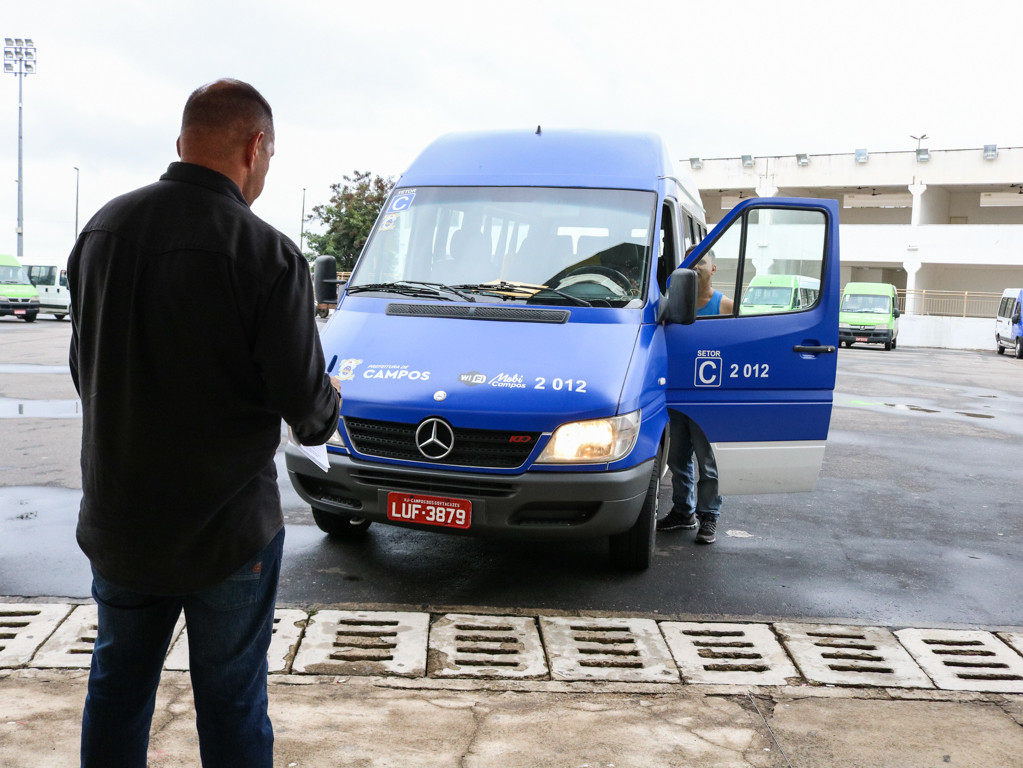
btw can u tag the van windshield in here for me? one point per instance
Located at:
(853, 302)
(14, 275)
(520, 244)
(762, 295)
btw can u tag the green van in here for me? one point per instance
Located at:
(18, 296)
(869, 313)
(769, 294)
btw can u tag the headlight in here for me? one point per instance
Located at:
(844, 327)
(336, 440)
(33, 299)
(592, 442)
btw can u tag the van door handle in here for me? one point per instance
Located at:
(822, 350)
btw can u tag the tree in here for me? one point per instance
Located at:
(348, 217)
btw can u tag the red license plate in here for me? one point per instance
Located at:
(862, 338)
(19, 311)
(429, 510)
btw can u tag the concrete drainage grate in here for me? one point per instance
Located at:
(23, 628)
(965, 660)
(732, 654)
(621, 650)
(828, 654)
(364, 643)
(464, 645)
(70, 647)
(1015, 639)
(286, 634)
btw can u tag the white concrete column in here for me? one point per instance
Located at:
(766, 187)
(912, 299)
(917, 189)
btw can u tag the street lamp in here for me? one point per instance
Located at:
(76, 201)
(301, 229)
(20, 60)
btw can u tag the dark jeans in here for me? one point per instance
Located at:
(229, 629)
(688, 495)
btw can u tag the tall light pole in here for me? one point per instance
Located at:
(301, 229)
(76, 202)
(20, 60)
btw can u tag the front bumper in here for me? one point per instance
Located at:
(867, 335)
(532, 505)
(19, 307)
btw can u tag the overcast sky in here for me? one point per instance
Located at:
(367, 85)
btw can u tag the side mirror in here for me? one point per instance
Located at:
(1015, 319)
(895, 312)
(325, 280)
(680, 306)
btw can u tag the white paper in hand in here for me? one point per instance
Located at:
(315, 453)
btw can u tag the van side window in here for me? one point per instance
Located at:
(772, 259)
(669, 257)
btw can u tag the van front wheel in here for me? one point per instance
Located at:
(1019, 347)
(998, 345)
(634, 549)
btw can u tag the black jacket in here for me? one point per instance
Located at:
(192, 336)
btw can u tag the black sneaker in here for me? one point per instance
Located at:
(676, 520)
(708, 527)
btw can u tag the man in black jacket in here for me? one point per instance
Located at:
(192, 336)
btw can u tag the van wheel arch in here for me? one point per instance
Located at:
(634, 549)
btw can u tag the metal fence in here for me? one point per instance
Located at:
(949, 303)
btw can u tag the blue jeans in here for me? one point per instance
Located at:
(229, 629)
(688, 495)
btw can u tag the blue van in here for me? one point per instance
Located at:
(521, 321)
(1008, 325)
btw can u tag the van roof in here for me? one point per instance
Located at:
(1012, 292)
(9, 261)
(869, 289)
(541, 158)
(789, 280)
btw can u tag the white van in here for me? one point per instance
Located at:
(51, 282)
(1008, 328)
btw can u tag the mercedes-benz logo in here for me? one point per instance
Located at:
(435, 438)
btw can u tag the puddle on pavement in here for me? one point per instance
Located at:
(917, 408)
(13, 408)
(976, 415)
(29, 368)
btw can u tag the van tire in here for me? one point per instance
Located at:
(847, 344)
(59, 317)
(1019, 347)
(998, 345)
(894, 343)
(887, 346)
(340, 526)
(634, 549)
(30, 318)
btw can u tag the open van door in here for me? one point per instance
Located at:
(760, 385)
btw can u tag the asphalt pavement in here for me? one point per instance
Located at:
(925, 544)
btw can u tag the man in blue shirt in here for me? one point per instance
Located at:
(689, 442)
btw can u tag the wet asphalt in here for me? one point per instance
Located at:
(914, 521)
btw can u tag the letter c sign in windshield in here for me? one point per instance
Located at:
(401, 201)
(708, 372)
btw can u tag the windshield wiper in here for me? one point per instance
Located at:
(412, 288)
(506, 290)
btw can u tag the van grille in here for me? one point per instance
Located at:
(496, 449)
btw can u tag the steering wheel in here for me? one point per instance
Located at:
(611, 279)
